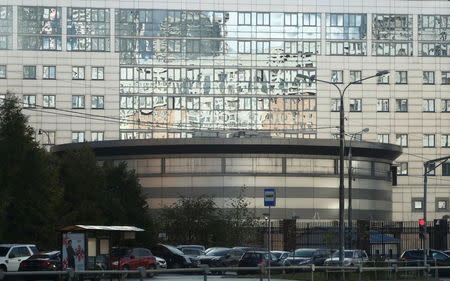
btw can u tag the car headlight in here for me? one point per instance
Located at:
(115, 263)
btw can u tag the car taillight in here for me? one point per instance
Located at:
(404, 258)
(261, 261)
(44, 263)
(21, 264)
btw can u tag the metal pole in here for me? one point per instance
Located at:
(349, 217)
(425, 213)
(341, 180)
(270, 256)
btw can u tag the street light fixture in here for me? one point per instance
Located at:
(341, 150)
(350, 178)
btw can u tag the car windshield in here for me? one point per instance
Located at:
(174, 250)
(120, 252)
(192, 251)
(4, 251)
(304, 253)
(347, 254)
(218, 252)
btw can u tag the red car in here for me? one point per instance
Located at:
(132, 258)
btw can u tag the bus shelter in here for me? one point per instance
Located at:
(88, 247)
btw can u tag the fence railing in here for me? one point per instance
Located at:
(310, 272)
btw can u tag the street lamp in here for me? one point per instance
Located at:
(341, 150)
(349, 208)
(41, 131)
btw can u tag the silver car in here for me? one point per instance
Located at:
(351, 258)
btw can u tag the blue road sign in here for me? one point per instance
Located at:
(269, 197)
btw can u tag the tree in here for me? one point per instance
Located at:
(29, 189)
(243, 225)
(193, 220)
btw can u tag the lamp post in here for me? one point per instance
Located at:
(41, 131)
(341, 151)
(349, 207)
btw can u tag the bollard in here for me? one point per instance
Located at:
(142, 273)
(313, 268)
(261, 272)
(70, 274)
(395, 271)
(2, 274)
(427, 272)
(359, 271)
(205, 271)
(436, 272)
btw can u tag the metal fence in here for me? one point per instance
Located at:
(380, 239)
(368, 271)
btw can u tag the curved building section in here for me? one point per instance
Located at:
(303, 172)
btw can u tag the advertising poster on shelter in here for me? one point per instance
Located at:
(73, 252)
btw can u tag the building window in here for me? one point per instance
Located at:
(428, 105)
(337, 76)
(97, 136)
(401, 105)
(49, 101)
(49, 72)
(77, 137)
(29, 101)
(48, 137)
(446, 169)
(417, 204)
(355, 105)
(445, 105)
(262, 18)
(441, 204)
(401, 139)
(402, 169)
(445, 78)
(401, 77)
(383, 79)
(77, 102)
(428, 140)
(244, 47)
(383, 138)
(2, 71)
(290, 19)
(29, 72)
(262, 47)
(244, 18)
(78, 73)
(355, 76)
(383, 105)
(428, 77)
(97, 102)
(445, 141)
(126, 73)
(97, 73)
(335, 105)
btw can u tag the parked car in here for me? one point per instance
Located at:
(214, 257)
(282, 255)
(309, 256)
(351, 258)
(11, 255)
(161, 263)
(200, 247)
(253, 258)
(132, 258)
(234, 255)
(174, 257)
(192, 252)
(47, 261)
(415, 257)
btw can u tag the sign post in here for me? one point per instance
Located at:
(269, 200)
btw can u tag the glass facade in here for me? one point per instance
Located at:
(433, 35)
(39, 28)
(185, 72)
(392, 35)
(6, 27)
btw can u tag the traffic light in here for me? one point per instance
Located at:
(422, 228)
